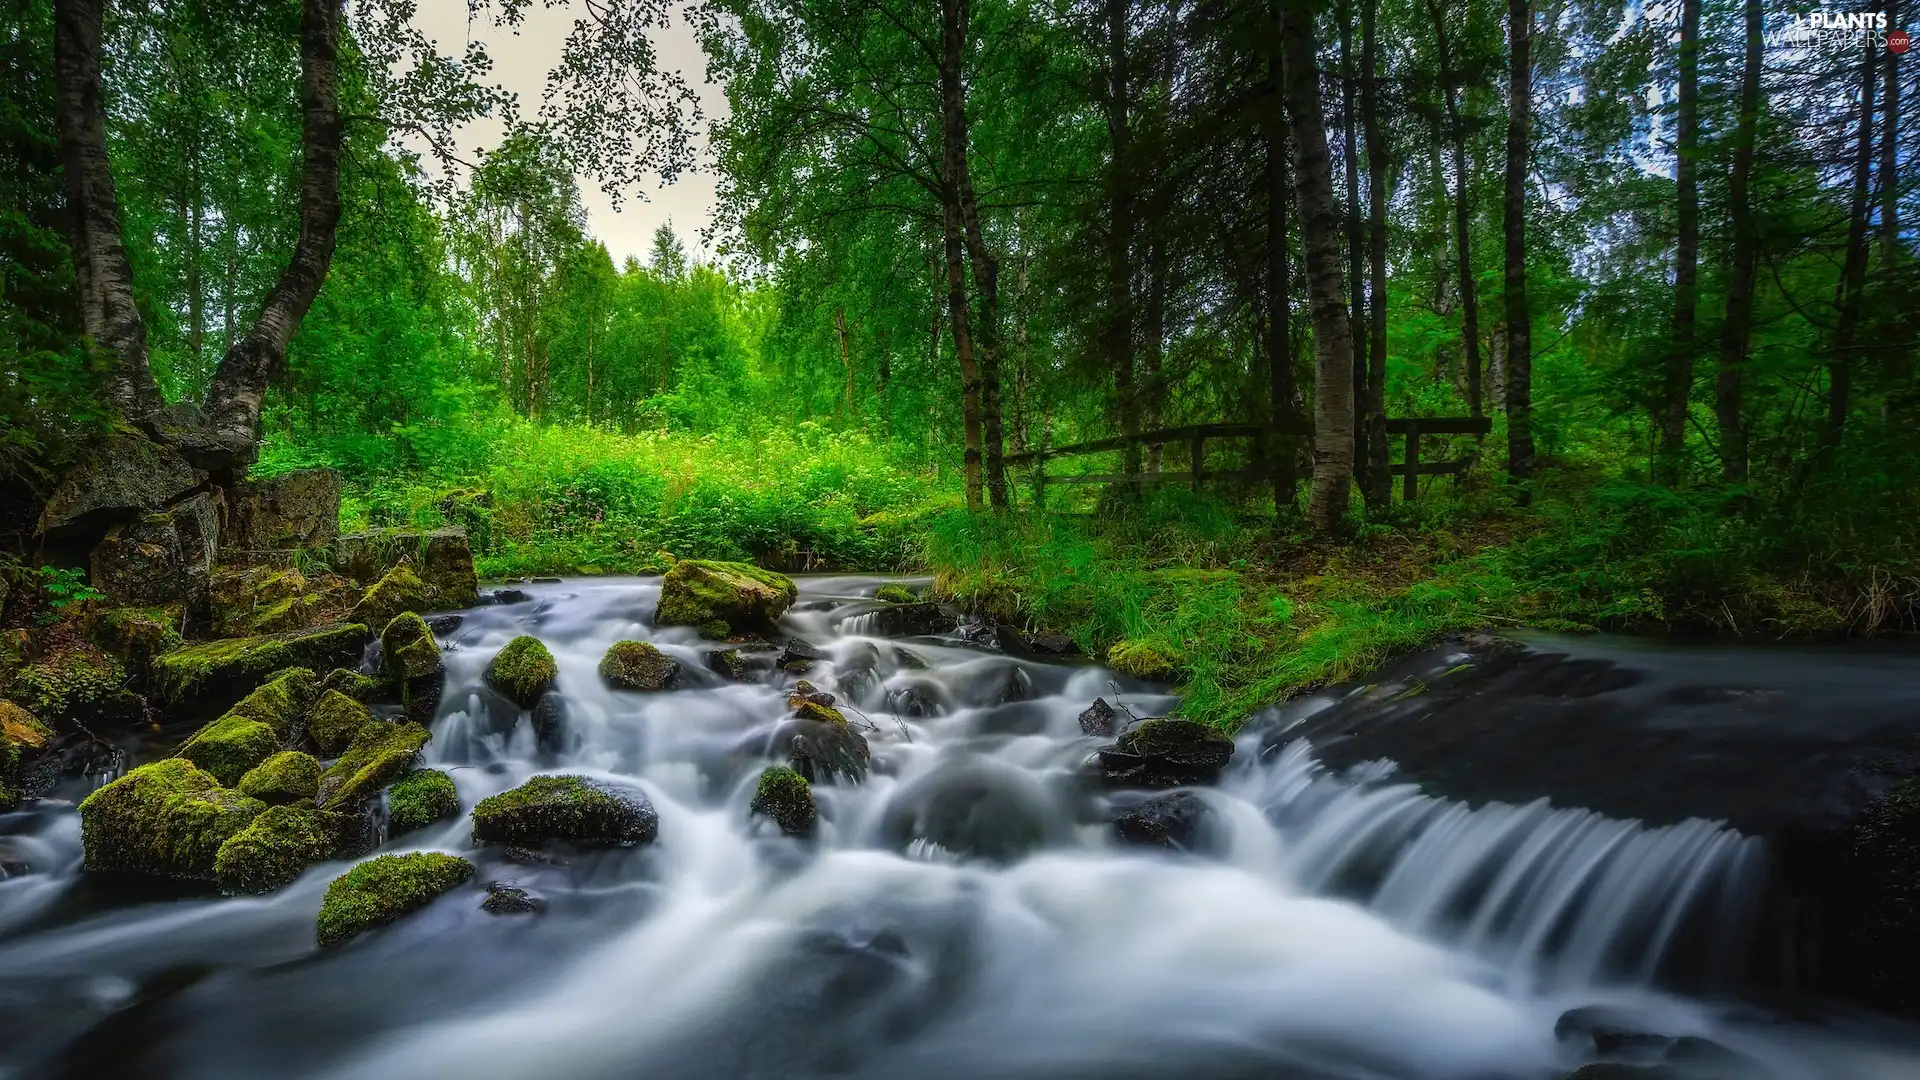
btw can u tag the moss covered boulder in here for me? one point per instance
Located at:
(362, 688)
(161, 557)
(274, 848)
(138, 634)
(299, 509)
(823, 747)
(381, 890)
(202, 675)
(398, 590)
(167, 819)
(22, 738)
(442, 558)
(1167, 753)
(1143, 660)
(730, 664)
(723, 599)
(282, 702)
(335, 720)
(523, 671)
(894, 594)
(380, 752)
(570, 808)
(638, 665)
(413, 664)
(74, 681)
(418, 799)
(229, 747)
(287, 777)
(784, 797)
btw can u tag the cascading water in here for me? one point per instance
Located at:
(963, 912)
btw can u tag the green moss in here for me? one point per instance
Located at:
(785, 797)
(826, 714)
(277, 846)
(138, 633)
(167, 819)
(211, 669)
(1177, 740)
(362, 688)
(74, 681)
(228, 747)
(335, 720)
(398, 590)
(895, 594)
(409, 648)
(420, 798)
(20, 736)
(1142, 660)
(523, 671)
(288, 776)
(722, 599)
(281, 702)
(638, 665)
(381, 890)
(564, 808)
(380, 752)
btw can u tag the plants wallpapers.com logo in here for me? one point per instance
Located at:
(1832, 29)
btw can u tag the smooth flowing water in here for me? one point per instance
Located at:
(965, 912)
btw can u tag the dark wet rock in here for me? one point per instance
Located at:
(441, 557)
(1179, 821)
(195, 676)
(1048, 643)
(444, 624)
(418, 799)
(116, 479)
(797, 656)
(379, 753)
(504, 898)
(784, 797)
(915, 700)
(823, 747)
(382, 890)
(1165, 752)
(507, 596)
(1099, 718)
(913, 620)
(293, 510)
(638, 665)
(857, 674)
(413, 663)
(164, 557)
(549, 719)
(569, 808)
(908, 659)
(730, 664)
(1616, 1070)
(167, 820)
(521, 856)
(723, 599)
(549, 580)
(804, 693)
(1604, 1031)
(1016, 685)
(523, 670)
(973, 807)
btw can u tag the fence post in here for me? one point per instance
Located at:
(1410, 489)
(1198, 453)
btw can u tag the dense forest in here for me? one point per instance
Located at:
(1667, 251)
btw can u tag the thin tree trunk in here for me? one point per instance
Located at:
(1462, 213)
(846, 356)
(954, 19)
(1519, 393)
(1119, 312)
(1854, 269)
(1281, 413)
(1379, 490)
(1889, 154)
(1154, 334)
(1356, 277)
(1677, 388)
(1734, 329)
(193, 212)
(1320, 232)
(962, 344)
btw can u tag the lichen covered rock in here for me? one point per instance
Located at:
(638, 665)
(167, 819)
(1143, 660)
(723, 599)
(299, 509)
(785, 797)
(335, 720)
(570, 808)
(197, 675)
(161, 557)
(379, 753)
(116, 477)
(287, 777)
(398, 590)
(273, 850)
(413, 662)
(523, 671)
(229, 747)
(420, 798)
(381, 890)
(138, 634)
(441, 558)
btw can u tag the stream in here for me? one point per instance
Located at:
(967, 911)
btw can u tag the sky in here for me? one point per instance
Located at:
(521, 62)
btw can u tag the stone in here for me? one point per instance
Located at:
(195, 676)
(381, 890)
(138, 634)
(286, 777)
(75, 682)
(723, 599)
(1177, 821)
(1167, 753)
(823, 747)
(398, 590)
(254, 598)
(118, 478)
(412, 659)
(293, 510)
(504, 898)
(894, 594)
(784, 797)
(569, 808)
(730, 664)
(522, 671)
(276, 847)
(380, 752)
(1143, 660)
(167, 819)
(507, 596)
(913, 619)
(638, 665)
(418, 799)
(336, 718)
(229, 747)
(162, 557)
(1099, 718)
(365, 689)
(441, 558)
(549, 720)
(805, 693)
(797, 656)
(283, 703)
(22, 740)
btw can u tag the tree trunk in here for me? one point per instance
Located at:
(1462, 213)
(1734, 330)
(962, 344)
(1379, 489)
(240, 385)
(1889, 154)
(1320, 233)
(1154, 335)
(1120, 232)
(954, 17)
(846, 356)
(1356, 247)
(1519, 324)
(1854, 269)
(1281, 412)
(1677, 386)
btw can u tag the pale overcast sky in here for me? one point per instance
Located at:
(521, 62)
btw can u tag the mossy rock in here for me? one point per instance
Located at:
(638, 665)
(398, 590)
(895, 594)
(723, 599)
(167, 819)
(381, 890)
(74, 681)
(420, 798)
(823, 747)
(335, 720)
(287, 777)
(21, 737)
(1143, 660)
(380, 752)
(523, 671)
(364, 689)
(810, 709)
(785, 797)
(1168, 753)
(276, 847)
(442, 558)
(138, 634)
(229, 747)
(197, 675)
(282, 702)
(570, 808)
(413, 662)
(730, 664)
